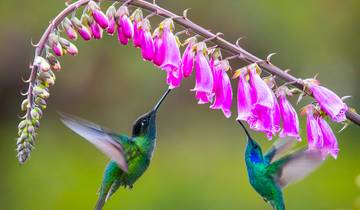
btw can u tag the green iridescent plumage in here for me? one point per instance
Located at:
(269, 173)
(130, 156)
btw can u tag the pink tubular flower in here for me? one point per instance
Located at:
(122, 39)
(110, 13)
(244, 102)
(138, 31)
(84, 31)
(204, 79)
(146, 41)
(265, 111)
(313, 131)
(99, 17)
(96, 30)
(159, 54)
(289, 116)
(69, 29)
(127, 26)
(328, 101)
(330, 146)
(222, 88)
(187, 61)
(56, 47)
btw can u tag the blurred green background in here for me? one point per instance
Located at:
(198, 163)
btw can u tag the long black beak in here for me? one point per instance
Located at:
(157, 105)
(246, 131)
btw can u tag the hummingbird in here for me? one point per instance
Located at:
(130, 156)
(271, 172)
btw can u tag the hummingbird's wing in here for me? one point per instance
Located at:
(295, 167)
(100, 137)
(281, 146)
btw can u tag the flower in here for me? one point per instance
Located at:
(98, 15)
(204, 78)
(69, 29)
(330, 146)
(265, 111)
(244, 100)
(124, 22)
(328, 101)
(137, 17)
(169, 47)
(147, 43)
(187, 61)
(313, 131)
(55, 44)
(96, 30)
(222, 88)
(84, 31)
(288, 115)
(122, 39)
(159, 54)
(138, 31)
(110, 13)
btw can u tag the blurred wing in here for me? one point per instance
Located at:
(99, 137)
(281, 146)
(294, 167)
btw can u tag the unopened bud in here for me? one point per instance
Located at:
(34, 114)
(22, 124)
(41, 63)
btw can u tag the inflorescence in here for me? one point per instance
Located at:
(261, 102)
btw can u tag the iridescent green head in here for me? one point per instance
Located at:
(145, 125)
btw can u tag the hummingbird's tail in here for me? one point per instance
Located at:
(100, 203)
(246, 131)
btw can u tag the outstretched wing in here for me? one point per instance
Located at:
(281, 146)
(100, 137)
(294, 167)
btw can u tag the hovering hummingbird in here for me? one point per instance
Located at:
(130, 156)
(270, 173)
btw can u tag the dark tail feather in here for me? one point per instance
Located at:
(100, 203)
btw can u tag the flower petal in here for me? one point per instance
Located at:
(289, 118)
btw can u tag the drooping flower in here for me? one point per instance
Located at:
(290, 120)
(265, 111)
(204, 79)
(244, 99)
(68, 46)
(187, 61)
(146, 41)
(96, 30)
(137, 18)
(222, 88)
(69, 29)
(328, 101)
(84, 31)
(99, 17)
(159, 54)
(121, 37)
(54, 63)
(320, 135)
(55, 44)
(330, 146)
(110, 13)
(124, 22)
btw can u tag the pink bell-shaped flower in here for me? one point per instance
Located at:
(330, 145)
(69, 29)
(146, 41)
(244, 99)
(222, 88)
(99, 17)
(204, 78)
(187, 61)
(110, 13)
(328, 101)
(288, 114)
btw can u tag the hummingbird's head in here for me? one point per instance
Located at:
(253, 150)
(145, 125)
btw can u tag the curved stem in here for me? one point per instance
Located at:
(188, 24)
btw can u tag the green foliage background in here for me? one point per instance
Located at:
(198, 163)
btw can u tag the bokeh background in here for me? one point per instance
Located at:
(198, 163)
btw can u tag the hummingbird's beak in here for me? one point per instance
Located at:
(156, 107)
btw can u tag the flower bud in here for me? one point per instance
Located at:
(110, 13)
(22, 124)
(69, 29)
(98, 15)
(34, 114)
(96, 30)
(84, 32)
(54, 63)
(41, 63)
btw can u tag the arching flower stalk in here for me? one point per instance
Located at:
(256, 100)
